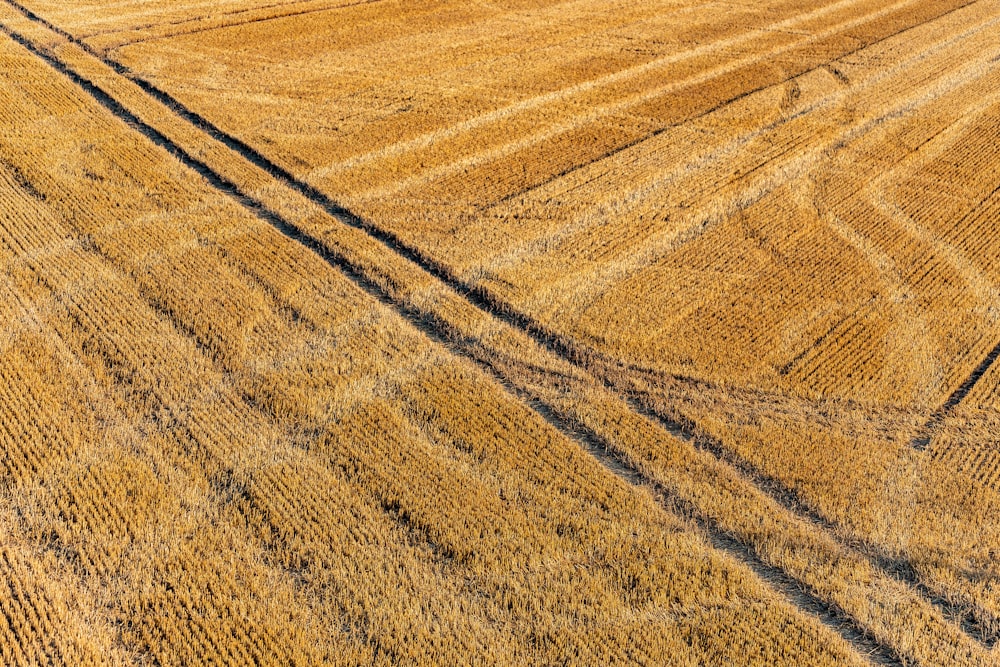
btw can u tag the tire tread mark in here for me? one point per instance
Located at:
(476, 295)
(781, 584)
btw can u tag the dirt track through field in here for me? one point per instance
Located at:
(783, 585)
(480, 299)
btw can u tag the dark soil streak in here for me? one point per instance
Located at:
(785, 586)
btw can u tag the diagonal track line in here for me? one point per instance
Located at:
(712, 108)
(482, 300)
(782, 584)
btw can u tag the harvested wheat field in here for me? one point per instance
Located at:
(569, 332)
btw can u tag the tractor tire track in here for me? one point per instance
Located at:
(781, 584)
(784, 585)
(563, 94)
(425, 322)
(596, 115)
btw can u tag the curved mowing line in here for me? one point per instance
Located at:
(598, 114)
(476, 296)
